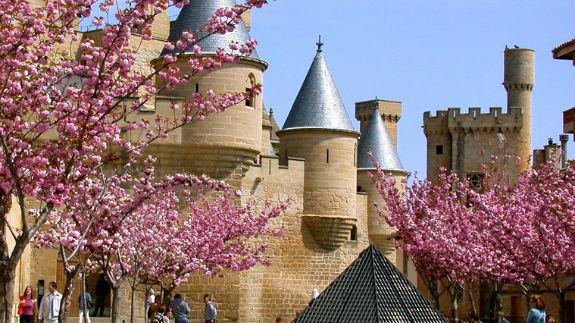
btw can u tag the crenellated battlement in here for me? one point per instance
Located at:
(453, 118)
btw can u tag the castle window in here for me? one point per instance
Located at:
(475, 181)
(249, 98)
(439, 150)
(327, 156)
(353, 233)
(197, 88)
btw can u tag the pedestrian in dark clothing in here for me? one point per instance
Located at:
(102, 291)
(210, 311)
(180, 309)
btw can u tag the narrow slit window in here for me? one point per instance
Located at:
(197, 88)
(327, 156)
(249, 98)
(353, 233)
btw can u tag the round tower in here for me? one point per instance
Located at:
(319, 130)
(518, 80)
(376, 139)
(229, 141)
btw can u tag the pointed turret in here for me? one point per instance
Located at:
(319, 130)
(377, 140)
(194, 16)
(318, 103)
(229, 142)
(375, 137)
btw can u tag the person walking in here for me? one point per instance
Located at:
(84, 305)
(26, 306)
(210, 311)
(102, 291)
(149, 302)
(180, 309)
(50, 306)
(154, 308)
(537, 312)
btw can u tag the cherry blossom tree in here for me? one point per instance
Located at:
(533, 224)
(430, 225)
(63, 116)
(521, 233)
(140, 229)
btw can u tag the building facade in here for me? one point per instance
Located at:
(317, 161)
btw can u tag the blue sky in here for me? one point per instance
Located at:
(430, 55)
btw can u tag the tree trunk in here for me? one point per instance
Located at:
(454, 308)
(494, 302)
(455, 291)
(7, 267)
(7, 276)
(116, 304)
(71, 273)
(167, 294)
(433, 289)
(132, 300)
(472, 299)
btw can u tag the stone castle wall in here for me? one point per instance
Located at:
(298, 263)
(463, 142)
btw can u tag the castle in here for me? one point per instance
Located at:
(322, 167)
(463, 142)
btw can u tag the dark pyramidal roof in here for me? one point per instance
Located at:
(371, 290)
(318, 103)
(194, 16)
(376, 139)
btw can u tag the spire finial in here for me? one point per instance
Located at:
(271, 110)
(319, 44)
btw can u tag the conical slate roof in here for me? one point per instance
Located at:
(371, 290)
(376, 139)
(194, 16)
(318, 103)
